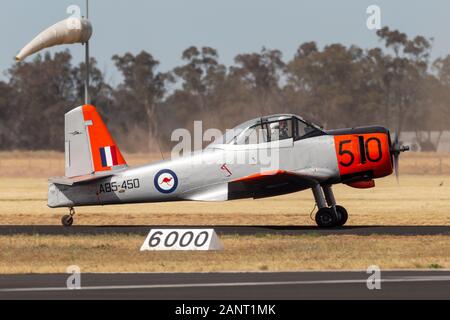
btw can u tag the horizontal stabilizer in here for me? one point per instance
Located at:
(84, 179)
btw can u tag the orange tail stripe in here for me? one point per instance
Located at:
(100, 137)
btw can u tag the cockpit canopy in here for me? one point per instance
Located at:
(269, 129)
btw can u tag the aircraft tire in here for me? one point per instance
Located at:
(67, 221)
(325, 218)
(342, 214)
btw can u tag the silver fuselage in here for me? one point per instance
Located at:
(205, 175)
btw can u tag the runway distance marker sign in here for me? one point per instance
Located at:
(182, 239)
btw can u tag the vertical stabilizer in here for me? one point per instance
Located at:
(89, 147)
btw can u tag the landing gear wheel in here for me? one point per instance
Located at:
(67, 220)
(342, 216)
(326, 218)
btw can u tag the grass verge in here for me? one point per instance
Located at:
(118, 253)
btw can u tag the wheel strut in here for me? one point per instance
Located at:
(318, 196)
(329, 196)
(329, 214)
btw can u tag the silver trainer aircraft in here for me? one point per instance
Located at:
(263, 157)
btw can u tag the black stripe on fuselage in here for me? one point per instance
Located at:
(358, 130)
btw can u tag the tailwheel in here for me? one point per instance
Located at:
(67, 220)
(326, 218)
(342, 216)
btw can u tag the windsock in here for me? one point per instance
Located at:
(68, 31)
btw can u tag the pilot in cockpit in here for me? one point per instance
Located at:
(284, 130)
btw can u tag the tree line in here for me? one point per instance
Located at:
(394, 85)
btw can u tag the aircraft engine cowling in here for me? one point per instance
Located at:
(363, 153)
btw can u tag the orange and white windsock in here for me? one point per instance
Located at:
(68, 31)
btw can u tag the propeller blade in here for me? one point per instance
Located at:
(396, 143)
(396, 149)
(396, 154)
(396, 167)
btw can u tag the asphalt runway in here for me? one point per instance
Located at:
(229, 230)
(238, 286)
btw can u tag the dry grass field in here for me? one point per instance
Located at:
(42, 254)
(421, 198)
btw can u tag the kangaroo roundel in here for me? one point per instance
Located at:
(166, 181)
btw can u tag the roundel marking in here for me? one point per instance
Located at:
(166, 181)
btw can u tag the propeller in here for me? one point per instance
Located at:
(396, 149)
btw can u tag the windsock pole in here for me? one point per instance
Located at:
(88, 69)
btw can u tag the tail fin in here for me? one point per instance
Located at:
(89, 147)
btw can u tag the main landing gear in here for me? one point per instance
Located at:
(329, 214)
(67, 220)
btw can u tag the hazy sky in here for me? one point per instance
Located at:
(166, 27)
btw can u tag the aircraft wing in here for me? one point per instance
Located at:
(259, 185)
(268, 183)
